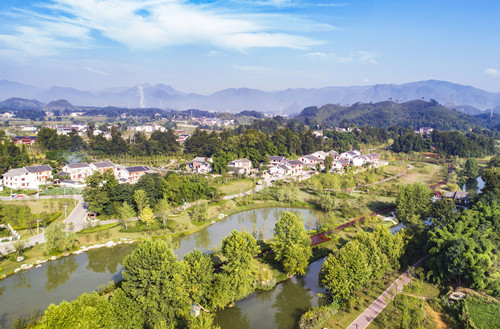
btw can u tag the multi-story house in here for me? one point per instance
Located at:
(103, 166)
(200, 165)
(132, 174)
(78, 171)
(240, 166)
(28, 177)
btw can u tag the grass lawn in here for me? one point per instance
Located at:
(236, 187)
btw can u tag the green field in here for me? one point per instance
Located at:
(236, 187)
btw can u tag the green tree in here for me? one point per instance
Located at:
(413, 203)
(239, 249)
(327, 201)
(328, 163)
(98, 191)
(57, 240)
(162, 210)
(141, 199)
(292, 244)
(126, 213)
(153, 278)
(443, 212)
(200, 211)
(147, 215)
(471, 168)
(491, 177)
(198, 276)
(87, 311)
(203, 321)
(126, 312)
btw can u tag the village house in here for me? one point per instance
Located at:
(103, 166)
(320, 155)
(19, 178)
(276, 160)
(339, 164)
(459, 197)
(310, 160)
(279, 170)
(295, 166)
(200, 165)
(78, 171)
(132, 174)
(41, 173)
(33, 129)
(334, 154)
(24, 140)
(30, 177)
(350, 155)
(240, 166)
(358, 161)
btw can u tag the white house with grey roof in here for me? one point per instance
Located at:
(78, 171)
(28, 178)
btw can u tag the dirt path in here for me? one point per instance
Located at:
(436, 317)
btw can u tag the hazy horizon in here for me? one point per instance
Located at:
(206, 46)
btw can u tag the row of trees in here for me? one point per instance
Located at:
(139, 145)
(367, 257)
(105, 196)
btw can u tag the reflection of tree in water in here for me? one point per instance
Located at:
(232, 318)
(107, 259)
(252, 217)
(2, 290)
(22, 280)
(202, 239)
(60, 271)
(291, 302)
(471, 186)
(265, 213)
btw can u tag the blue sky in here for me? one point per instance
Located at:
(204, 46)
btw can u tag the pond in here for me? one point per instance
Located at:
(280, 307)
(69, 277)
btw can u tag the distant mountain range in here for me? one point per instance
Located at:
(464, 99)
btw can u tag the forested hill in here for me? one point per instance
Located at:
(385, 114)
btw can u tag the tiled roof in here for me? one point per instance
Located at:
(77, 165)
(103, 164)
(39, 168)
(15, 172)
(137, 168)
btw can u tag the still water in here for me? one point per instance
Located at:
(69, 277)
(279, 308)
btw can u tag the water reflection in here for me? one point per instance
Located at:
(59, 272)
(107, 259)
(202, 239)
(280, 307)
(22, 280)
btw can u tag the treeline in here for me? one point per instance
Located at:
(105, 196)
(476, 143)
(364, 259)
(138, 145)
(11, 156)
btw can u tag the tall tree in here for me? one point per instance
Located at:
(198, 276)
(126, 212)
(292, 244)
(413, 203)
(141, 199)
(239, 249)
(153, 278)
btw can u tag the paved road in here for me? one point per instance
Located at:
(77, 217)
(365, 318)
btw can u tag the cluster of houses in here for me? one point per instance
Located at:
(72, 175)
(281, 166)
(148, 128)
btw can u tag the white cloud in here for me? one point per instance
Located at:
(96, 71)
(154, 24)
(492, 72)
(358, 56)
